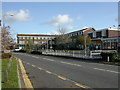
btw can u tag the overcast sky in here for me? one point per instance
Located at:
(46, 17)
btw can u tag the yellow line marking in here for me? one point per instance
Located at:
(49, 72)
(82, 86)
(33, 65)
(61, 77)
(39, 68)
(25, 77)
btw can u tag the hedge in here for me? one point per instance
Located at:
(111, 55)
(6, 55)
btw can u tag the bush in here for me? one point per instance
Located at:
(22, 50)
(36, 52)
(28, 50)
(117, 59)
(6, 55)
(111, 55)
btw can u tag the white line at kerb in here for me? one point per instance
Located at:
(105, 70)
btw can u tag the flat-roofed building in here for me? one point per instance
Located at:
(36, 39)
(107, 38)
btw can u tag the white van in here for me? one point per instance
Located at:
(18, 49)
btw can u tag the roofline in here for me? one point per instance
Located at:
(35, 35)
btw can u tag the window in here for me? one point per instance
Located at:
(98, 34)
(35, 37)
(43, 42)
(27, 37)
(20, 38)
(21, 42)
(31, 37)
(23, 37)
(35, 42)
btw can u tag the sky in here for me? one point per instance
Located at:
(47, 17)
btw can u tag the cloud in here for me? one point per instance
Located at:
(17, 16)
(60, 20)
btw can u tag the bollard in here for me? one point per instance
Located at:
(108, 59)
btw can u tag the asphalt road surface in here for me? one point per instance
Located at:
(59, 72)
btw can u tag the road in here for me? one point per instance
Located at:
(59, 72)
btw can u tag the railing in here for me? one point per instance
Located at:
(72, 53)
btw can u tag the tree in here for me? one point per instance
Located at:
(63, 40)
(83, 40)
(6, 38)
(29, 45)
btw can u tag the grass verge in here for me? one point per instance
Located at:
(12, 77)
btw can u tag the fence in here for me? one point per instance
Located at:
(73, 53)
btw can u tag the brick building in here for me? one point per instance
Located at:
(36, 39)
(105, 38)
(101, 39)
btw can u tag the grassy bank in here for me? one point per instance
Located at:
(12, 77)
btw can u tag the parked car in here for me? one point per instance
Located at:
(17, 49)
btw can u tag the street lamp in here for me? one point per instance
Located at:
(85, 41)
(3, 17)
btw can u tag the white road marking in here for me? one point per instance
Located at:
(70, 63)
(48, 59)
(105, 70)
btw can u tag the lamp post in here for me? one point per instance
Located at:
(85, 43)
(51, 44)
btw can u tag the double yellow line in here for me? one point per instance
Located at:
(24, 75)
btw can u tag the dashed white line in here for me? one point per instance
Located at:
(48, 59)
(105, 70)
(70, 63)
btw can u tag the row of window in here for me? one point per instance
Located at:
(76, 34)
(35, 42)
(98, 34)
(36, 37)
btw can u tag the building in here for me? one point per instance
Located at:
(73, 35)
(105, 38)
(35, 39)
(80, 32)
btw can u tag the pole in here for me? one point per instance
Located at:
(85, 45)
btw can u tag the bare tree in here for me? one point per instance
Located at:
(63, 39)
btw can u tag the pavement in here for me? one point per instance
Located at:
(58, 72)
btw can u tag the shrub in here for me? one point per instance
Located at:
(111, 55)
(6, 55)
(36, 52)
(22, 50)
(117, 59)
(28, 50)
